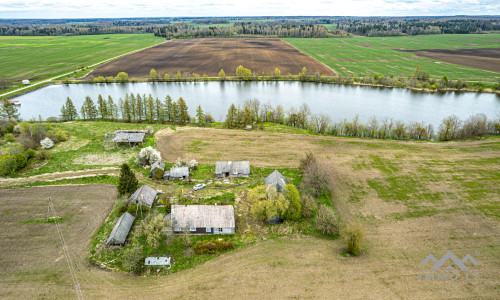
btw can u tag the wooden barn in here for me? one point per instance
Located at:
(203, 219)
(181, 173)
(121, 230)
(276, 180)
(144, 195)
(232, 169)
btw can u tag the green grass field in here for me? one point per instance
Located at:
(37, 58)
(363, 56)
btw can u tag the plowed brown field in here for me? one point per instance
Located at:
(209, 56)
(481, 58)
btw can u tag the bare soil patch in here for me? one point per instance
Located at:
(102, 159)
(481, 58)
(209, 56)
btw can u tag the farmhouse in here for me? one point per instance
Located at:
(121, 230)
(181, 173)
(144, 196)
(132, 138)
(157, 165)
(203, 219)
(276, 180)
(232, 169)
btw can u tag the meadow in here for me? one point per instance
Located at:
(36, 58)
(365, 56)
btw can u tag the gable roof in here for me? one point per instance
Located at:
(233, 167)
(126, 137)
(179, 172)
(156, 165)
(121, 230)
(276, 179)
(202, 216)
(145, 195)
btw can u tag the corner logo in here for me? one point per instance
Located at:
(449, 272)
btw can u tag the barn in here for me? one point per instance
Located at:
(203, 219)
(121, 230)
(180, 173)
(144, 195)
(276, 180)
(232, 169)
(127, 137)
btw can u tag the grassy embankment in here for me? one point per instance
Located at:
(366, 56)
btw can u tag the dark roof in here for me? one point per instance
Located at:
(179, 172)
(234, 168)
(276, 180)
(129, 137)
(145, 195)
(121, 229)
(202, 216)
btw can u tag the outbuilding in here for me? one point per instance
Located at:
(127, 137)
(157, 165)
(144, 195)
(180, 173)
(121, 230)
(203, 219)
(232, 169)
(276, 180)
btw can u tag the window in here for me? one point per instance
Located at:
(220, 230)
(178, 229)
(192, 229)
(209, 229)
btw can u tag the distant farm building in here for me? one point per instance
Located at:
(121, 230)
(26, 82)
(144, 196)
(276, 180)
(181, 173)
(130, 137)
(232, 169)
(157, 165)
(203, 219)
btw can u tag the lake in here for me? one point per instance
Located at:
(337, 101)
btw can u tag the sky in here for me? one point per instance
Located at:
(57, 9)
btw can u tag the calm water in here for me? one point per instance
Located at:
(338, 101)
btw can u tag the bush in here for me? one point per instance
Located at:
(42, 155)
(309, 206)
(294, 209)
(9, 138)
(20, 161)
(326, 221)
(159, 174)
(152, 228)
(354, 235)
(182, 162)
(132, 209)
(148, 156)
(133, 259)
(30, 153)
(213, 246)
(7, 164)
(47, 143)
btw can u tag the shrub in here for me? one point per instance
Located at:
(354, 235)
(47, 143)
(294, 209)
(122, 205)
(20, 161)
(150, 130)
(152, 228)
(309, 206)
(30, 153)
(7, 164)
(183, 162)
(127, 183)
(326, 221)
(42, 155)
(133, 259)
(159, 174)
(9, 138)
(132, 209)
(148, 156)
(61, 136)
(213, 246)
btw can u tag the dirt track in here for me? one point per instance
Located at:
(208, 56)
(481, 58)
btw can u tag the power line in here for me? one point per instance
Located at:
(66, 251)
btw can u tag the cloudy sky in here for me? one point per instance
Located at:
(197, 8)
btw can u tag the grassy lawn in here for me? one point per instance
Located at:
(37, 58)
(363, 56)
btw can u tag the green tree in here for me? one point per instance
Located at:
(121, 77)
(267, 204)
(127, 113)
(303, 74)
(293, 197)
(167, 77)
(89, 110)
(127, 183)
(159, 115)
(246, 116)
(354, 235)
(175, 113)
(200, 116)
(178, 76)
(139, 108)
(8, 111)
(243, 73)
(222, 75)
(231, 117)
(168, 108)
(102, 108)
(153, 76)
(112, 108)
(150, 112)
(183, 111)
(133, 107)
(277, 73)
(72, 114)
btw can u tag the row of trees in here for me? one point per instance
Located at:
(135, 108)
(451, 128)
